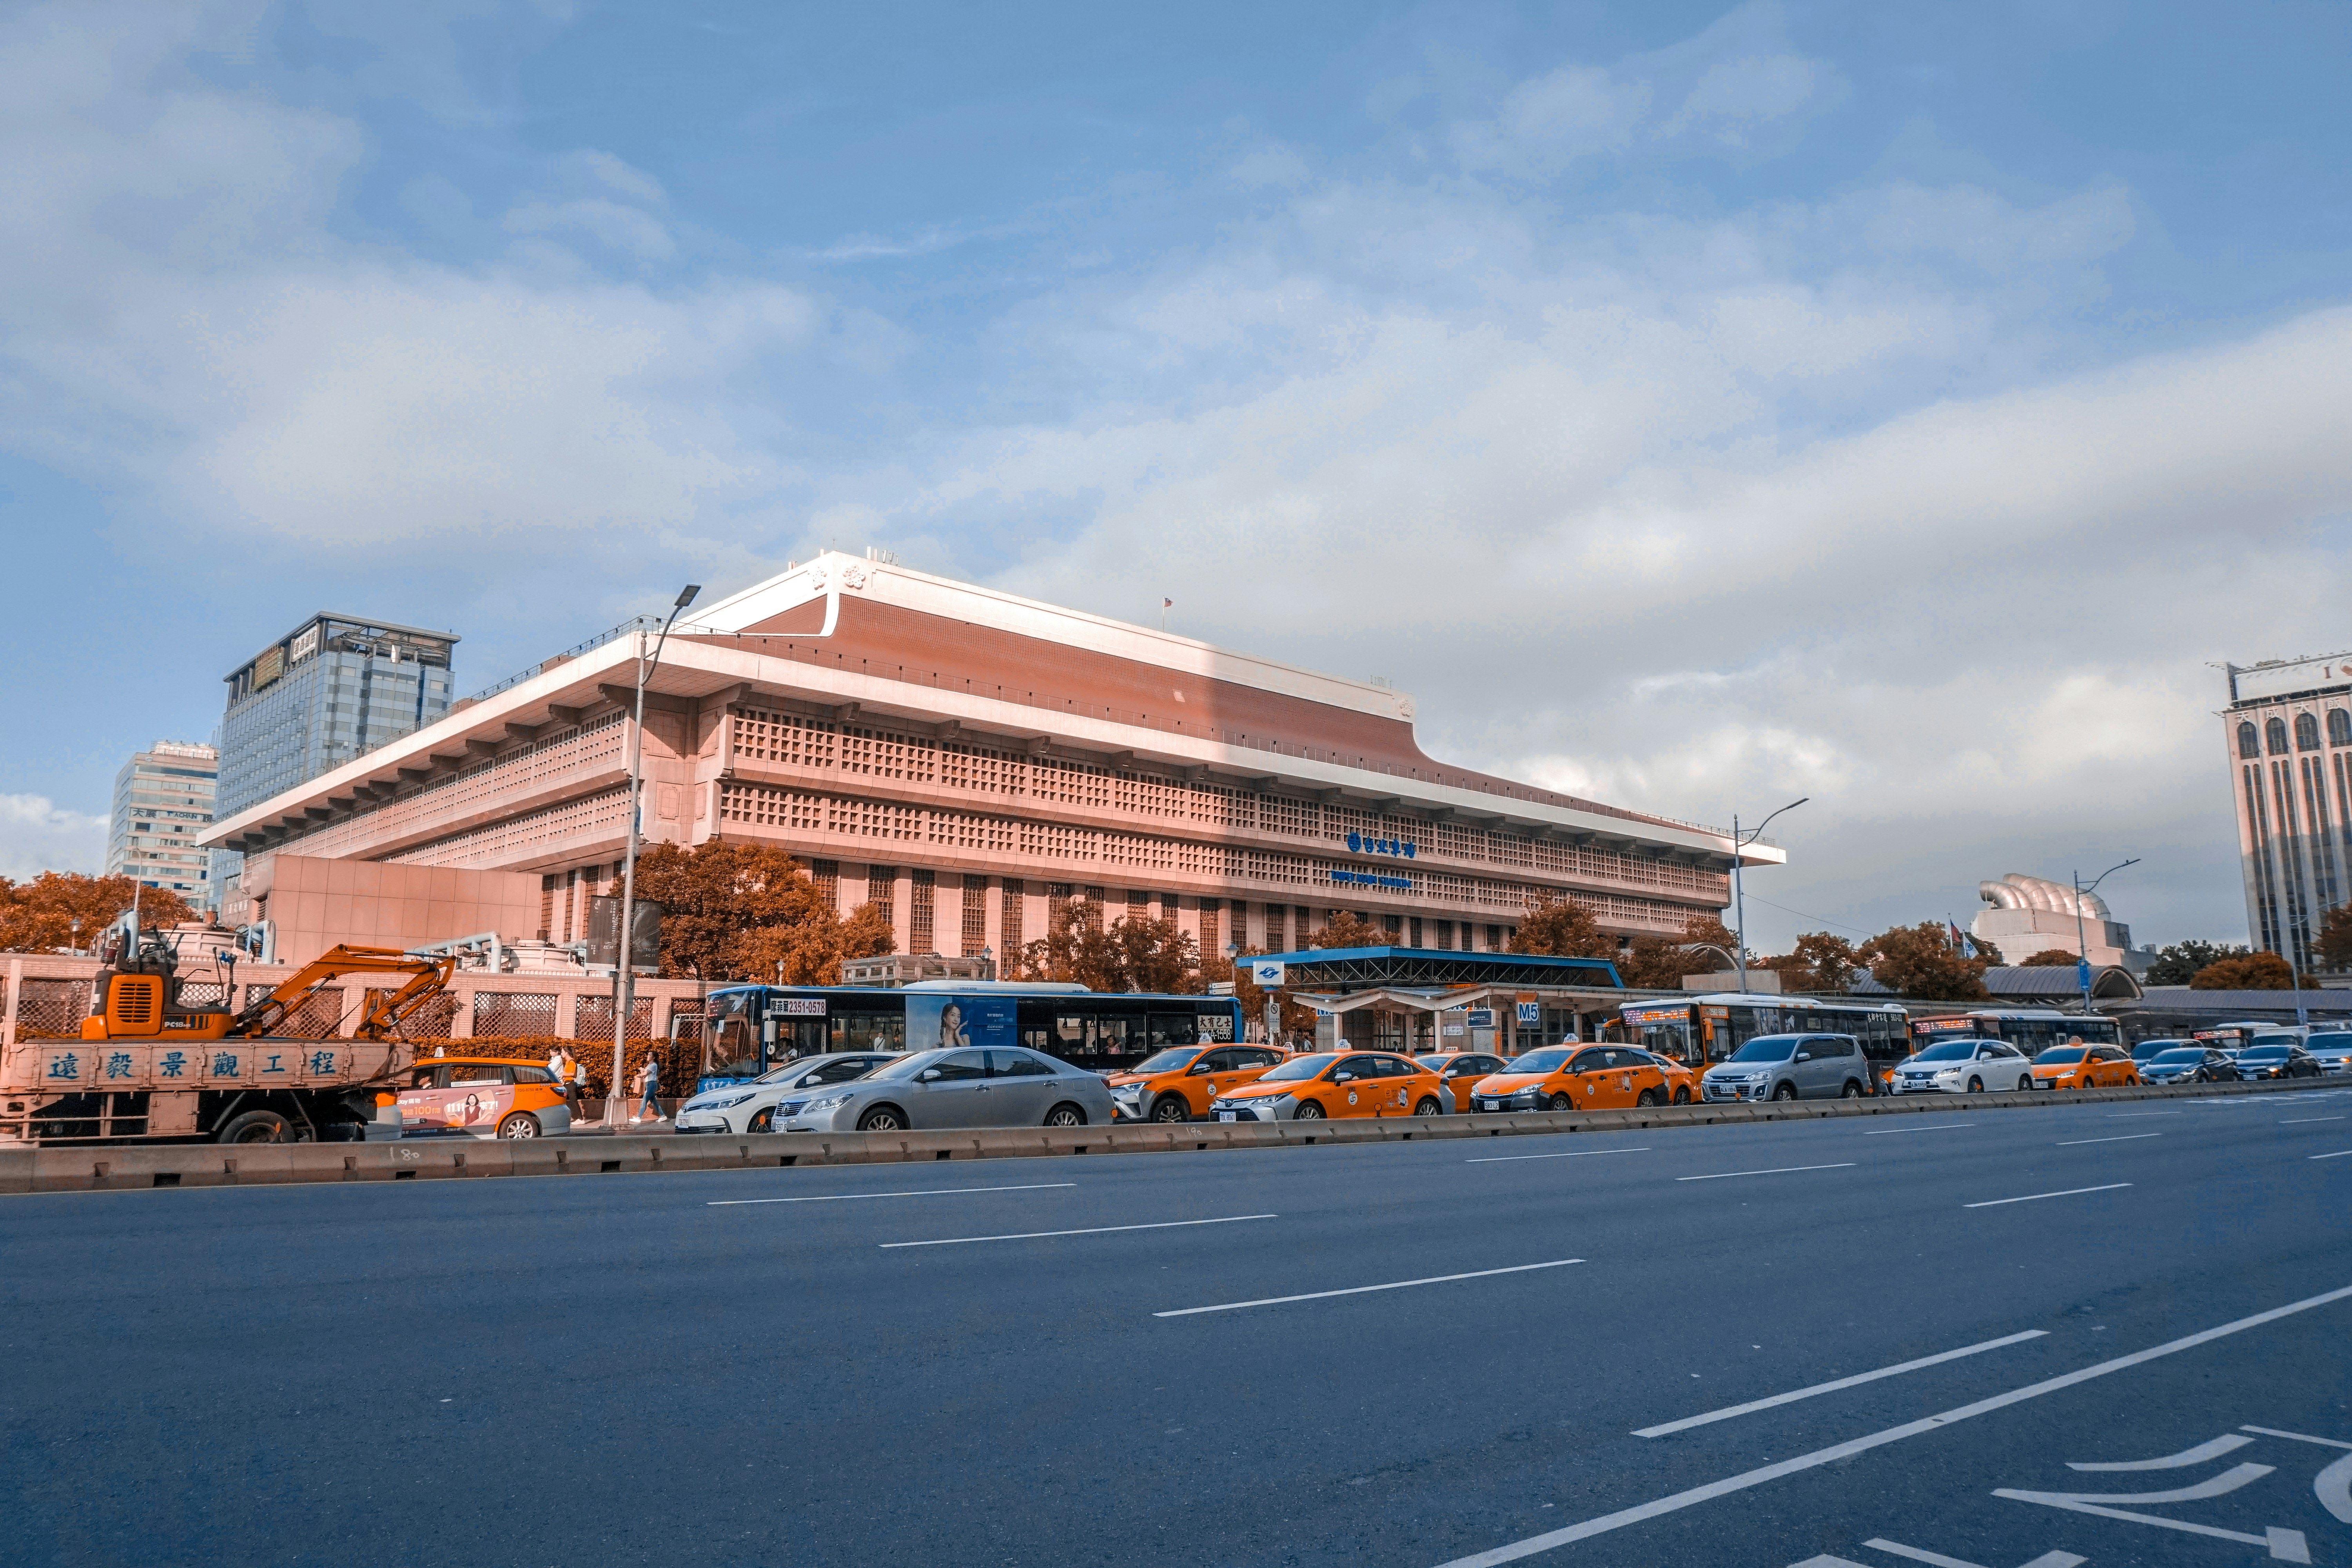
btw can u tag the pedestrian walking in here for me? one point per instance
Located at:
(649, 1081)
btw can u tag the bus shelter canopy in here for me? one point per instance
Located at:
(1348, 968)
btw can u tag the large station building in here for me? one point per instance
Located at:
(970, 760)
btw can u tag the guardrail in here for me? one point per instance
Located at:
(128, 1167)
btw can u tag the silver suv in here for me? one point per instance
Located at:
(1791, 1067)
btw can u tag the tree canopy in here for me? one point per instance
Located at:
(2178, 965)
(2052, 958)
(737, 911)
(1659, 962)
(1130, 953)
(1348, 929)
(2333, 944)
(1921, 961)
(2247, 972)
(39, 916)
(1562, 928)
(1818, 963)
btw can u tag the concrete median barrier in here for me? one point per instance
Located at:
(149, 1167)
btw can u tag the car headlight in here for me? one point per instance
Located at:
(826, 1102)
(732, 1100)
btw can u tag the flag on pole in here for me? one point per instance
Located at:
(1167, 604)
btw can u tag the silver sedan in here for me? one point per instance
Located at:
(998, 1087)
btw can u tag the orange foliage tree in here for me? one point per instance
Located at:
(40, 916)
(744, 911)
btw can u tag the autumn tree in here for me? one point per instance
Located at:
(1348, 929)
(1818, 963)
(2252, 972)
(2179, 964)
(1298, 1017)
(1922, 960)
(1562, 928)
(736, 912)
(2053, 958)
(41, 915)
(2333, 944)
(1659, 962)
(1131, 954)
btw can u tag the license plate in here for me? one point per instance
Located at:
(1225, 1116)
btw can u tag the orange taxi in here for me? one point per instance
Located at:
(1458, 1070)
(1682, 1083)
(1330, 1084)
(2084, 1067)
(1179, 1083)
(1575, 1078)
(484, 1095)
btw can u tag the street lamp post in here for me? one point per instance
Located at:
(2082, 942)
(626, 1000)
(1738, 903)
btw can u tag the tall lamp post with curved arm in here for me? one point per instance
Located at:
(2082, 942)
(1738, 904)
(626, 1003)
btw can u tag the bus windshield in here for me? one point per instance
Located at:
(1767, 1048)
(1544, 1060)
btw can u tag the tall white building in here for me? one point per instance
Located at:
(163, 800)
(2289, 731)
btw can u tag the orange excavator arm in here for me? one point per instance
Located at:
(427, 978)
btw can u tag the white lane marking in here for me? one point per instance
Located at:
(2299, 1437)
(1727, 1414)
(918, 1192)
(1090, 1230)
(2123, 1138)
(2142, 1115)
(1747, 1479)
(2030, 1197)
(2228, 1443)
(1571, 1154)
(2337, 1155)
(2284, 1545)
(1895, 1549)
(1775, 1171)
(2302, 1121)
(1361, 1290)
(1939, 1127)
(2228, 1481)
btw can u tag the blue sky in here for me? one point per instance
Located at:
(1695, 406)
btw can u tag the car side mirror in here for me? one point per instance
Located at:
(1199, 1067)
(1804, 1055)
(927, 1075)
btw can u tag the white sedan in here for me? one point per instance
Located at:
(1963, 1066)
(758, 1105)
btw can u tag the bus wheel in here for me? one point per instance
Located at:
(1428, 1106)
(1171, 1107)
(258, 1127)
(1559, 1102)
(521, 1124)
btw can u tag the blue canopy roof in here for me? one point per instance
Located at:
(1353, 968)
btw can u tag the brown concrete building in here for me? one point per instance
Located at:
(970, 760)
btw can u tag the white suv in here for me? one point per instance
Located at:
(1963, 1066)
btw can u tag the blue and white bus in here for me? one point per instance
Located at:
(750, 1030)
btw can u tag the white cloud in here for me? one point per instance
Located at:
(37, 835)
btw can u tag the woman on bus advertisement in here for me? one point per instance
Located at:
(935, 1020)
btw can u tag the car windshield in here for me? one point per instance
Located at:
(1545, 1060)
(1297, 1068)
(907, 1066)
(1949, 1051)
(2329, 1043)
(2273, 1042)
(1767, 1048)
(1168, 1060)
(2182, 1054)
(2060, 1056)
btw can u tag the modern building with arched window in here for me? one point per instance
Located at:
(2295, 805)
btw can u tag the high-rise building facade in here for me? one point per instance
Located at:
(2289, 733)
(163, 801)
(334, 688)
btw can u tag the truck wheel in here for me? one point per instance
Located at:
(521, 1124)
(257, 1127)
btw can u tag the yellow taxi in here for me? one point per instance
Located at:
(1457, 1070)
(485, 1096)
(1574, 1077)
(1332, 1084)
(1179, 1083)
(1682, 1083)
(2084, 1067)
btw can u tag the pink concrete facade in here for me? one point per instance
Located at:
(314, 903)
(971, 761)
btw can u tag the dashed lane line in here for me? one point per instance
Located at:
(1687, 1422)
(1365, 1289)
(1775, 1171)
(1089, 1230)
(1939, 1127)
(2031, 1198)
(2337, 1155)
(1568, 1154)
(2307, 1121)
(917, 1192)
(2123, 1138)
(1641, 1512)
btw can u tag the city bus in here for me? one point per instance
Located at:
(1700, 1031)
(751, 1029)
(2033, 1030)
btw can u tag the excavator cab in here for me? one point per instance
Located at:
(137, 991)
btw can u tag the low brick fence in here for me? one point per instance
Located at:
(91, 1168)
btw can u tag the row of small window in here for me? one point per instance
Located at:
(2307, 733)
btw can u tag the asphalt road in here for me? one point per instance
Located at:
(766, 1367)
